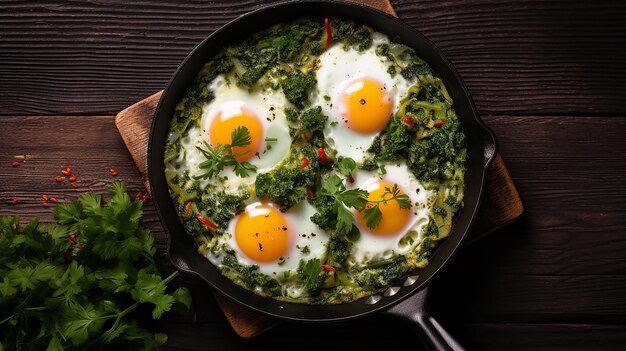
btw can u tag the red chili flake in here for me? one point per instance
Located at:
(68, 256)
(327, 268)
(138, 196)
(146, 198)
(114, 172)
(72, 239)
(45, 197)
(58, 179)
(53, 199)
(188, 209)
(322, 154)
(408, 120)
(305, 136)
(13, 201)
(439, 123)
(207, 222)
(74, 185)
(67, 171)
(350, 180)
(310, 193)
(15, 164)
(72, 179)
(329, 33)
(305, 162)
(44, 204)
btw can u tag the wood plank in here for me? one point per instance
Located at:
(518, 58)
(539, 337)
(381, 332)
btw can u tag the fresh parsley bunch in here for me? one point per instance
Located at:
(74, 284)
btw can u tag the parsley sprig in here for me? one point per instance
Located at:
(74, 284)
(221, 156)
(372, 213)
(334, 188)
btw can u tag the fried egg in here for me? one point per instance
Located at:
(385, 240)
(275, 241)
(261, 112)
(359, 96)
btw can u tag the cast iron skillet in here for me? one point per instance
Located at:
(395, 299)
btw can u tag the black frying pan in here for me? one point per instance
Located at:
(406, 297)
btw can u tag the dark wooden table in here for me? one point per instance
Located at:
(549, 77)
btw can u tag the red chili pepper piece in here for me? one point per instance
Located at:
(323, 157)
(327, 268)
(72, 179)
(45, 197)
(439, 123)
(310, 193)
(350, 180)
(53, 199)
(114, 172)
(13, 201)
(15, 164)
(67, 171)
(74, 185)
(207, 222)
(188, 209)
(58, 179)
(329, 33)
(305, 136)
(44, 204)
(408, 120)
(305, 162)
(146, 198)
(72, 239)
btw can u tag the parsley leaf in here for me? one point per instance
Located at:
(240, 137)
(346, 166)
(333, 188)
(310, 273)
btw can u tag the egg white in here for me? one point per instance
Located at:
(337, 69)
(372, 247)
(302, 233)
(267, 104)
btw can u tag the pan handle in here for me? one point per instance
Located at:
(431, 334)
(490, 145)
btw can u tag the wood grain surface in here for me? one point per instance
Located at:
(548, 77)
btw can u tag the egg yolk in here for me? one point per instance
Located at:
(394, 218)
(262, 233)
(365, 105)
(225, 123)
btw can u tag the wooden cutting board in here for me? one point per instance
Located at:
(501, 203)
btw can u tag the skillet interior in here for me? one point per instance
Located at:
(181, 248)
